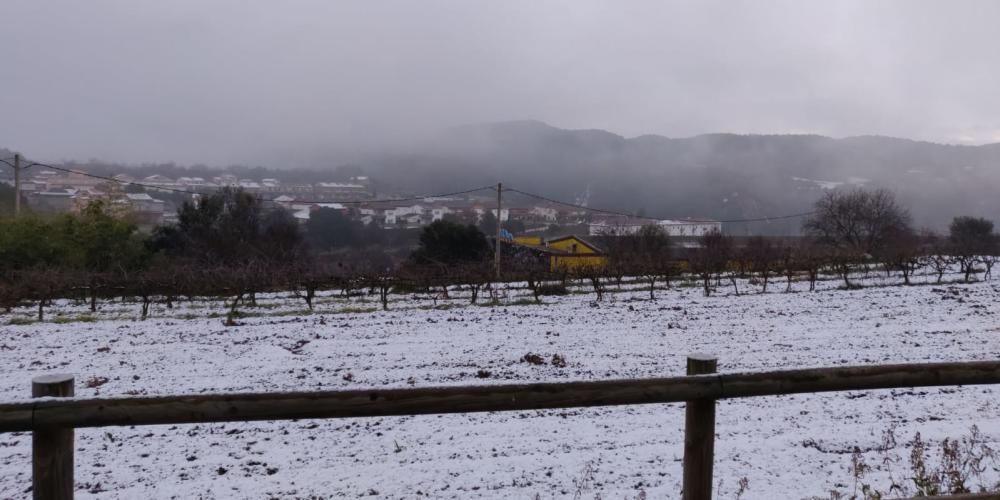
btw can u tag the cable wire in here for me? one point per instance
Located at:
(418, 198)
(623, 214)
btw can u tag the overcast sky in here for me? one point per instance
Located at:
(238, 81)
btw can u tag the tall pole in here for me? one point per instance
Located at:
(17, 184)
(496, 246)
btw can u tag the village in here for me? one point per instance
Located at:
(154, 200)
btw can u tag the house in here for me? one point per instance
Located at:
(142, 202)
(529, 240)
(547, 214)
(196, 183)
(438, 213)
(393, 216)
(625, 226)
(158, 180)
(226, 180)
(283, 201)
(147, 212)
(71, 180)
(367, 215)
(123, 179)
(577, 254)
(564, 254)
(332, 206)
(31, 186)
(301, 213)
(690, 227)
(56, 200)
(249, 185)
(340, 191)
(481, 212)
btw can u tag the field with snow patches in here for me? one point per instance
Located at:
(786, 447)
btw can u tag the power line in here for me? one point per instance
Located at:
(623, 214)
(299, 202)
(574, 205)
(416, 198)
(112, 179)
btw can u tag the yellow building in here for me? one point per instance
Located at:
(567, 253)
(529, 240)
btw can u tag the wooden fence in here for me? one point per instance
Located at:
(52, 420)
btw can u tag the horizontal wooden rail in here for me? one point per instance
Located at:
(514, 397)
(959, 496)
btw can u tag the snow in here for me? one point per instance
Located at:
(786, 447)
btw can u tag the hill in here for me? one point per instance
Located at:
(724, 176)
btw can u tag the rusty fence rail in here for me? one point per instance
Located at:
(53, 418)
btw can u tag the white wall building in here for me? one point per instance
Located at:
(142, 202)
(690, 227)
(545, 213)
(393, 215)
(672, 227)
(504, 214)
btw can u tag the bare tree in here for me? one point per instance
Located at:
(940, 262)
(971, 238)
(856, 225)
(711, 258)
(859, 220)
(787, 264)
(653, 256)
(761, 258)
(903, 252)
(475, 275)
(46, 284)
(812, 257)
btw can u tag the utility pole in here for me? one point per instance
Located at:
(496, 245)
(17, 184)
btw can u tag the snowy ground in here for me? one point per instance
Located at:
(786, 447)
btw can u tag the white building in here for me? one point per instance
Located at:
(690, 227)
(438, 213)
(504, 214)
(142, 202)
(672, 227)
(367, 215)
(394, 215)
(545, 213)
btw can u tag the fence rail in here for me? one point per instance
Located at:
(53, 416)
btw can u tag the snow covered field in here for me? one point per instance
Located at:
(786, 447)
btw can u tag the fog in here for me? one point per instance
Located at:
(278, 82)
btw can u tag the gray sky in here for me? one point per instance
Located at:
(240, 81)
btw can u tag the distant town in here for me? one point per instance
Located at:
(154, 200)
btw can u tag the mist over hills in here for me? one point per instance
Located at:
(724, 176)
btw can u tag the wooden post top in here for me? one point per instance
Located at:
(703, 357)
(54, 384)
(700, 364)
(52, 378)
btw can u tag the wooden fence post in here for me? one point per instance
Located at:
(52, 447)
(699, 435)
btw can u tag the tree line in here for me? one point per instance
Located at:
(852, 230)
(233, 246)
